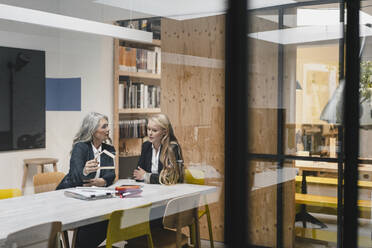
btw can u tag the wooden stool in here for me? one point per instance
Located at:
(40, 163)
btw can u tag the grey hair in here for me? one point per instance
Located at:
(88, 127)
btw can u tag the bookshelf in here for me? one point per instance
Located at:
(142, 80)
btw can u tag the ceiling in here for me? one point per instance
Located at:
(108, 11)
(112, 10)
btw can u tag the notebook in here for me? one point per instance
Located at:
(88, 193)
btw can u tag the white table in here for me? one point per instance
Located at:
(25, 211)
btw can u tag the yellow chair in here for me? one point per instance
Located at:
(9, 193)
(189, 178)
(129, 224)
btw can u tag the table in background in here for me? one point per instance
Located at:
(306, 167)
(364, 169)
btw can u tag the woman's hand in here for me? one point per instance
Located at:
(90, 166)
(99, 182)
(139, 173)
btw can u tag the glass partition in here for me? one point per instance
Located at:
(295, 74)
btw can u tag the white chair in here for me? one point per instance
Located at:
(180, 212)
(41, 236)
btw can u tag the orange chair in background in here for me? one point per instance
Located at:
(48, 181)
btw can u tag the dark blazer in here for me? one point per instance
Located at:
(81, 153)
(146, 157)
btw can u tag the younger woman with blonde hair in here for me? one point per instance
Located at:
(161, 157)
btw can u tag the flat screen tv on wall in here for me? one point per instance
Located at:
(22, 99)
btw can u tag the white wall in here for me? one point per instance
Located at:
(68, 54)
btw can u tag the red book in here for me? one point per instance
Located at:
(131, 189)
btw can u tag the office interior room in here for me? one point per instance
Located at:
(133, 59)
(296, 74)
(85, 71)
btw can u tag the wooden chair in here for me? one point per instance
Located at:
(41, 236)
(180, 212)
(48, 181)
(9, 193)
(189, 178)
(129, 224)
(40, 164)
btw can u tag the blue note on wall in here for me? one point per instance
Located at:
(63, 94)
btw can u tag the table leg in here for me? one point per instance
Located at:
(55, 167)
(197, 229)
(303, 215)
(65, 239)
(303, 191)
(303, 183)
(25, 171)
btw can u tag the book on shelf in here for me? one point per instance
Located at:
(127, 59)
(140, 60)
(158, 94)
(153, 98)
(151, 61)
(152, 24)
(142, 95)
(132, 128)
(121, 96)
(157, 51)
(136, 94)
(133, 96)
(146, 96)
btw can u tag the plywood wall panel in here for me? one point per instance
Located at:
(263, 74)
(262, 131)
(180, 34)
(262, 213)
(193, 96)
(262, 208)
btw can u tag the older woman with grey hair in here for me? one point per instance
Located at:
(86, 156)
(86, 160)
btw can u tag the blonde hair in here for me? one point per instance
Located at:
(172, 171)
